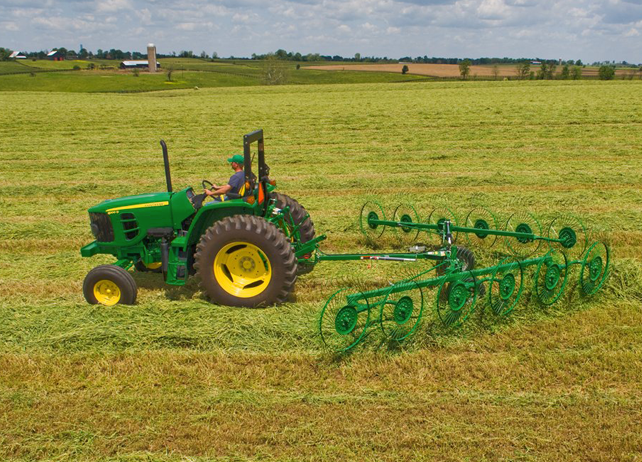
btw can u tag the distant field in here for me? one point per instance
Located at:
(175, 378)
(450, 70)
(188, 74)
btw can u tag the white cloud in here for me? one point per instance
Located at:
(590, 30)
(112, 6)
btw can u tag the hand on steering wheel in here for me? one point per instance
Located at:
(207, 185)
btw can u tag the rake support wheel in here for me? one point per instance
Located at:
(246, 261)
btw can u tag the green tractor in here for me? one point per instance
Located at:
(246, 250)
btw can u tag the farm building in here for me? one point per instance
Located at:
(55, 55)
(136, 65)
(17, 55)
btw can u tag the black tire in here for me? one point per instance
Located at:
(299, 217)
(236, 234)
(143, 268)
(112, 273)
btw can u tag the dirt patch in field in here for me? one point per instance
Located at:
(434, 70)
(450, 70)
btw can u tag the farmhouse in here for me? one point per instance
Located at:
(136, 64)
(55, 55)
(17, 55)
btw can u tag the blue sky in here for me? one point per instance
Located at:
(582, 29)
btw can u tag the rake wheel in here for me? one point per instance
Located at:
(595, 268)
(481, 218)
(505, 287)
(344, 320)
(456, 299)
(406, 213)
(371, 210)
(551, 276)
(401, 314)
(572, 232)
(522, 222)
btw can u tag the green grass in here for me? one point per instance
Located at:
(176, 378)
(187, 74)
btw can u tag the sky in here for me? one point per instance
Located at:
(590, 30)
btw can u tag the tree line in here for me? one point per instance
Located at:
(281, 54)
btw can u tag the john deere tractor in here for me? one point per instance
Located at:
(246, 250)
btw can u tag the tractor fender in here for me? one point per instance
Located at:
(214, 211)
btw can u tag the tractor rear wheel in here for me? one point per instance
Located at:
(245, 261)
(108, 285)
(300, 218)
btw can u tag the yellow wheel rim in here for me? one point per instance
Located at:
(242, 269)
(106, 292)
(154, 266)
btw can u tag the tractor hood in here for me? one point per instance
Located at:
(140, 201)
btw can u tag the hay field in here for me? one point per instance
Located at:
(175, 378)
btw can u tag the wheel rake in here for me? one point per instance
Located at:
(456, 289)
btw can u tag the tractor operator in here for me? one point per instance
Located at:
(236, 185)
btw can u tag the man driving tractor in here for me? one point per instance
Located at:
(236, 184)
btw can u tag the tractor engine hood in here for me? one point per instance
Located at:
(140, 201)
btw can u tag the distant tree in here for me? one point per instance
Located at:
(606, 72)
(566, 72)
(578, 62)
(546, 71)
(576, 72)
(464, 69)
(404, 69)
(281, 54)
(5, 53)
(214, 55)
(275, 71)
(297, 57)
(523, 69)
(495, 72)
(357, 57)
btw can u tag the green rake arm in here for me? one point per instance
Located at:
(461, 229)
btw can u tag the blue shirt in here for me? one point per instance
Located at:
(236, 182)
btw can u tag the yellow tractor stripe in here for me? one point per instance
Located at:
(138, 206)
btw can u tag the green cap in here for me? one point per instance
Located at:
(238, 158)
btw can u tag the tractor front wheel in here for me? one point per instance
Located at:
(108, 285)
(245, 261)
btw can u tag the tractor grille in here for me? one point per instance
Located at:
(130, 225)
(101, 227)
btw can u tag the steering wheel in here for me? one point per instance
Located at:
(206, 184)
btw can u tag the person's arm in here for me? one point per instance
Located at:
(219, 191)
